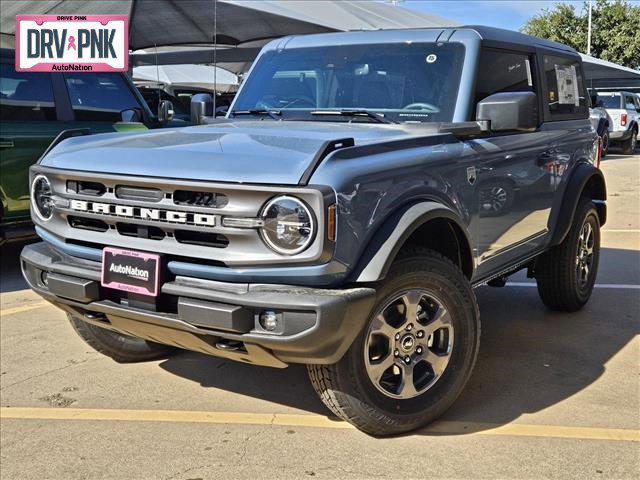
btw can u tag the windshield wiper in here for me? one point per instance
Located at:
(275, 114)
(380, 118)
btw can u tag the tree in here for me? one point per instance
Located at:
(615, 29)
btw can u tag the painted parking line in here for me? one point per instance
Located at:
(317, 421)
(24, 308)
(620, 286)
(621, 230)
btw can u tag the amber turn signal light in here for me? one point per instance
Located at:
(331, 223)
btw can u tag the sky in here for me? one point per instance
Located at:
(508, 14)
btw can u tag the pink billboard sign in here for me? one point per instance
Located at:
(72, 43)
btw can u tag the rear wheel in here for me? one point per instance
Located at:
(629, 145)
(416, 353)
(122, 348)
(566, 274)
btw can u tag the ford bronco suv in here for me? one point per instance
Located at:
(339, 216)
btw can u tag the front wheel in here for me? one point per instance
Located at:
(567, 273)
(416, 353)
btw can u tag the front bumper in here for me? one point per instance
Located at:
(314, 325)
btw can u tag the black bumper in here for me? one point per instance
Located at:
(314, 325)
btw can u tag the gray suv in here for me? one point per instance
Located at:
(361, 185)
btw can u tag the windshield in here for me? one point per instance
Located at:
(402, 82)
(610, 101)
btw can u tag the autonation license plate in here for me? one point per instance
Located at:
(131, 271)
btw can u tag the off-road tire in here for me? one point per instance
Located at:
(606, 142)
(345, 387)
(629, 145)
(555, 270)
(122, 348)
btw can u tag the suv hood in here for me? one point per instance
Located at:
(268, 152)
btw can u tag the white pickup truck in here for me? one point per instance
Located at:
(624, 110)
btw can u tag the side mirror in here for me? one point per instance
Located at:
(165, 111)
(131, 115)
(594, 100)
(201, 106)
(509, 111)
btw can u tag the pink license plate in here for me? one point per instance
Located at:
(131, 271)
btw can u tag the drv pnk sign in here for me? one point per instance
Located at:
(72, 43)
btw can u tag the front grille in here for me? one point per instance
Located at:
(140, 231)
(175, 218)
(91, 224)
(93, 189)
(200, 199)
(140, 194)
(203, 239)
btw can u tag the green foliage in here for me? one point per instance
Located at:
(615, 29)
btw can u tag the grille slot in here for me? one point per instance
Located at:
(139, 193)
(203, 239)
(200, 199)
(88, 224)
(93, 189)
(140, 231)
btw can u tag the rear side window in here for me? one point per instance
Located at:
(630, 105)
(99, 97)
(566, 96)
(25, 96)
(503, 72)
(610, 101)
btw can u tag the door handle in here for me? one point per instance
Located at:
(6, 143)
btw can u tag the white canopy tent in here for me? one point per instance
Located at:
(601, 74)
(195, 76)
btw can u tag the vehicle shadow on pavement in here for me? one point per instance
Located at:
(530, 358)
(289, 386)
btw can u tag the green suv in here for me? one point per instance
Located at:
(36, 106)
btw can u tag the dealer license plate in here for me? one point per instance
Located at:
(131, 271)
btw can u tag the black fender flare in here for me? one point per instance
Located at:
(375, 261)
(586, 179)
(602, 126)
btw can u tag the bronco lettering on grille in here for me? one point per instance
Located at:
(141, 213)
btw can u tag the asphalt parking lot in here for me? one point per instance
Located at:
(552, 395)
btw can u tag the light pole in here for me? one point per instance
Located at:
(589, 32)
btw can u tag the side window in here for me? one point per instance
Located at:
(630, 105)
(565, 93)
(503, 72)
(25, 96)
(99, 97)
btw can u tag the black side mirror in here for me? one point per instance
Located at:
(594, 100)
(201, 106)
(509, 111)
(165, 111)
(131, 115)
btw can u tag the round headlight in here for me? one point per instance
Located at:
(41, 197)
(288, 225)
